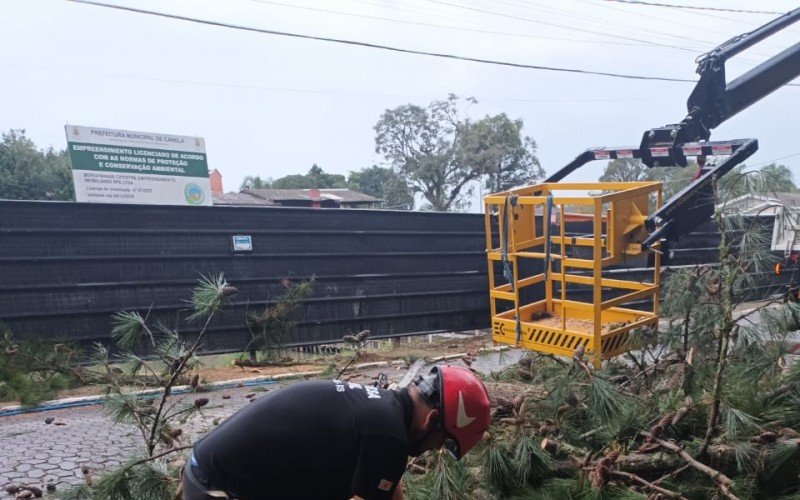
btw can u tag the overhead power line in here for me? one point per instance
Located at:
(595, 20)
(434, 25)
(696, 7)
(563, 26)
(379, 46)
(242, 86)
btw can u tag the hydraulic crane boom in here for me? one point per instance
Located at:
(711, 102)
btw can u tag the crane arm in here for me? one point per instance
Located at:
(713, 100)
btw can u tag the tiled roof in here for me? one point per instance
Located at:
(240, 199)
(340, 195)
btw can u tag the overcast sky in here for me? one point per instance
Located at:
(272, 106)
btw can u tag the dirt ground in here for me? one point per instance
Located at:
(574, 324)
(220, 367)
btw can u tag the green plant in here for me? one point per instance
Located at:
(157, 419)
(33, 371)
(269, 328)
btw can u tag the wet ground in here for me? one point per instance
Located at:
(37, 453)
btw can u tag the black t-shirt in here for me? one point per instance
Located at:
(311, 440)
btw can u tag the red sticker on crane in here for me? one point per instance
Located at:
(624, 153)
(602, 155)
(724, 149)
(692, 150)
(658, 152)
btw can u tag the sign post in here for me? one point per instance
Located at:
(122, 166)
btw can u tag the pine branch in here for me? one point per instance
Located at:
(155, 457)
(723, 482)
(151, 442)
(647, 484)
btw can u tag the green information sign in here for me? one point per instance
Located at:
(119, 166)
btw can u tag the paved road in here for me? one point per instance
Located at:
(36, 453)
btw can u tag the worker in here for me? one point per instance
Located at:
(337, 440)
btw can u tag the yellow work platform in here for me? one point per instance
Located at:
(550, 289)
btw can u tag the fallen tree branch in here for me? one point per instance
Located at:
(636, 463)
(723, 481)
(647, 484)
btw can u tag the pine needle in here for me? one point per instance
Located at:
(498, 468)
(208, 296)
(738, 423)
(530, 464)
(128, 329)
(450, 479)
(781, 458)
(607, 406)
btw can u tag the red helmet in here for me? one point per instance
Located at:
(464, 405)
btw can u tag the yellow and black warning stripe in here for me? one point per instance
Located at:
(555, 338)
(613, 343)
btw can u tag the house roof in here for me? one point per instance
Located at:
(240, 199)
(762, 204)
(788, 199)
(340, 195)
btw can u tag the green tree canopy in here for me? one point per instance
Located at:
(625, 170)
(495, 145)
(28, 173)
(316, 178)
(255, 182)
(633, 170)
(383, 183)
(743, 180)
(443, 155)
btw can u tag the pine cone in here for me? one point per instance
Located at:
(682, 412)
(49, 420)
(362, 336)
(51, 487)
(87, 476)
(662, 424)
(600, 474)
(200, 402)
(11, 489)
(765, 438)
(350, 339)
(577, 354)
(175, 433)
(229, 290)
(416, 469)
(147, 410)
